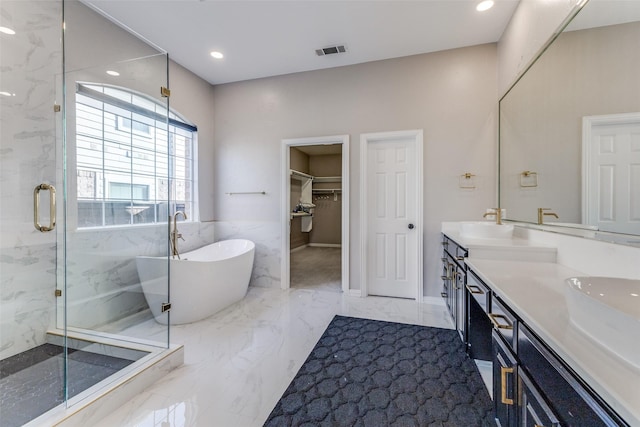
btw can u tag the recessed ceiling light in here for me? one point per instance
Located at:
(113, 73)
(7, 30)
(484, 5)
(3, 93)
(217, 55)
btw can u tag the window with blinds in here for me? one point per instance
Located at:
(134, 164)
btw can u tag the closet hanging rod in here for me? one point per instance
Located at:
(327, 190)
(247, 192)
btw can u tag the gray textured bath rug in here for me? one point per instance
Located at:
(372, 373)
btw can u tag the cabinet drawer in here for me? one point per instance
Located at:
(457, 252)
(478, 290)
(567, 395)
(461, 254)
(504, 321)
(505, 370)
(533, 409)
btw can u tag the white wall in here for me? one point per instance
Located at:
(452, 95)
(531, 26)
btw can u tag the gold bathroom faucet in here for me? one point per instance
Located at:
(175, 235)
(497, 213)
(542, 213)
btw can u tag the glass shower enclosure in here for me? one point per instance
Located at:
(85, 189)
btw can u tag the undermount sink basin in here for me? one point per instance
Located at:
(485, 230)
(608, 310)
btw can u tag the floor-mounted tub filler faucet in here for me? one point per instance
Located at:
(542, 213)
(175, 235)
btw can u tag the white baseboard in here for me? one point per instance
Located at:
(325, 245)
(355, 292)
(433, 300)
(299, 248)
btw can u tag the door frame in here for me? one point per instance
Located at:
(285, 204)
(588, 123)
(365, 140)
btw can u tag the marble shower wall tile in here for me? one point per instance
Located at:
(267, 237)
(102, 279)
(31, 65)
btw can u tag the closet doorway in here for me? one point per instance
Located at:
(315, 213)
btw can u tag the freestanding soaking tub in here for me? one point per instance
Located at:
(203, 281)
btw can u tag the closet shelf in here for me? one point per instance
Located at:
(327, 179)
(300, 175)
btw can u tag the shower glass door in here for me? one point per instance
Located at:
(84, 190)
(31, 367)
(117, 186)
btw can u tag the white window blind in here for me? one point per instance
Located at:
(134, 164)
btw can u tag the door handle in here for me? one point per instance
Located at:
(411, 226)
(52, 207)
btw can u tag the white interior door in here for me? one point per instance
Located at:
(613, 174)
(393, 216)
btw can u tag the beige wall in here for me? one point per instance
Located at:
(193, 98)
(584, 73)
(529, 29)
(297, 161)
(327, 219)
(451, 95)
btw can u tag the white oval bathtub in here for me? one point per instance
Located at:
(203, 281)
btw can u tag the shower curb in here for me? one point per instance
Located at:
(100, 404)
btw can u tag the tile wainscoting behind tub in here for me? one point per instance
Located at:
(102, 278)
(267, 237)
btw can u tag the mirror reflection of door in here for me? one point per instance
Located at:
(612, 166)
(316, 217)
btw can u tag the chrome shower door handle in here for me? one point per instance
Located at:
(52, 207)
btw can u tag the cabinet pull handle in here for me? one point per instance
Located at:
(474, 289)
(444, 277)
(503, 382)
(445, 243)
(459, 258)
(494, 319)
(443, 294)
(444, 259)
(52, 207)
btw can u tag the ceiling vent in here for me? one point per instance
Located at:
(331, 50)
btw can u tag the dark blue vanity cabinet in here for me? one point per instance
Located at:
(454, 279)
(571, 400)
(532, 385)
(478, 303)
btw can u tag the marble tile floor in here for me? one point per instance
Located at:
(239, 361)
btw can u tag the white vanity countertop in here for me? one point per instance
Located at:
(535, 291)
(514, 242)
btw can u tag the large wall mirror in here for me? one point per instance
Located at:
(570, 127)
